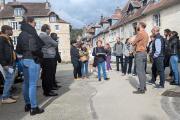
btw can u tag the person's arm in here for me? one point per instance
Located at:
(2, 61)
(94, 52)
(48, 40)
(58, 56)
(158, 48)
(138, 38)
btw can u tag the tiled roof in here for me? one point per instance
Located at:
(160, 5)
(32, 9)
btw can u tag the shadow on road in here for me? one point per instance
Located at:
(16, 111)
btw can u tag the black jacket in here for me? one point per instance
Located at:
(58, 57)
(28, 43)
(100, 54)
(74, 54)
(6, 51)
(162, 53)
(173, 45)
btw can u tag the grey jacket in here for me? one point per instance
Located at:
(49, 49)
(118, 49)
(127, 49)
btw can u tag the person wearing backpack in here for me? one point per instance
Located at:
(118, 52)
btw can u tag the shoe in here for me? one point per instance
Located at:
(55, 88)
(145, 89)
(58, 86)
(107, 79)
(27, 108)
(36, 110)
(134, 74)
(50, 94)
(173, 83)
(159, 86)
(151, 82)
(99, 80)
(139, 92)
(123, 74)
(15, 97)
(8, 101)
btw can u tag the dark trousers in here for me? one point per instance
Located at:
(48, 74)
(158, 68)
(140, 61)
(77, 69)
(128, 62)
(54, 73)
(119, 59)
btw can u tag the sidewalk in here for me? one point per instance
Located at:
(93, 100)
(115, 100)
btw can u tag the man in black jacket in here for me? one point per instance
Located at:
(57, 58)
(75, 61)
(29, 47)
(158, 49)
(7, 59)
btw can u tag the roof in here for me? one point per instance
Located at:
(160, 5)
(32, 9)
(127, 18)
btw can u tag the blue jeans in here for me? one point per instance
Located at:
(103, 67)
(9, 80)
(31, 72)
(174, 65)
(84, 69)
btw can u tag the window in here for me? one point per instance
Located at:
(38, 25)
(53, 18)
(156, 1)
(57, 27)
(156, 20)
(19, 12)
(14, 25)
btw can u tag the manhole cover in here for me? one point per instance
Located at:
(170, 93)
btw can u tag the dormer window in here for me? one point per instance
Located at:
(18, 12)
(53, 18)
(156, 1)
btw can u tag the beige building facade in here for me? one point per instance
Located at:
(12, 14)
(162, 13)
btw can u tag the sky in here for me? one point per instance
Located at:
(82, 12)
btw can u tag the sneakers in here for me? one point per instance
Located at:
(36, 110)
(15, 97)
(8, 101)
(107, 79)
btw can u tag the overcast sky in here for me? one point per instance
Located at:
(82, 12)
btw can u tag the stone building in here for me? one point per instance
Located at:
(13, 12)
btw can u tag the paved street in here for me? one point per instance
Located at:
(93, 100)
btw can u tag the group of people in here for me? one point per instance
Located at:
(82, 57)
(162, 51)
(34, 52)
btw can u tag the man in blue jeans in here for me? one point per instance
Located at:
(7, 59)
(29, 46)
(100, 54)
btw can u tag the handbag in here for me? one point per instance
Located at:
(83, 58)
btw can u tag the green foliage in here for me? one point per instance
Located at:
(75, 33)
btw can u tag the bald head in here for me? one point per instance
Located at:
(155, 30)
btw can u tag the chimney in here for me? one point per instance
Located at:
(2, 4)
(14, 1)
(117, 14)
(48, 6)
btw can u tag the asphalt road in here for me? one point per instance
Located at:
(93, 100)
